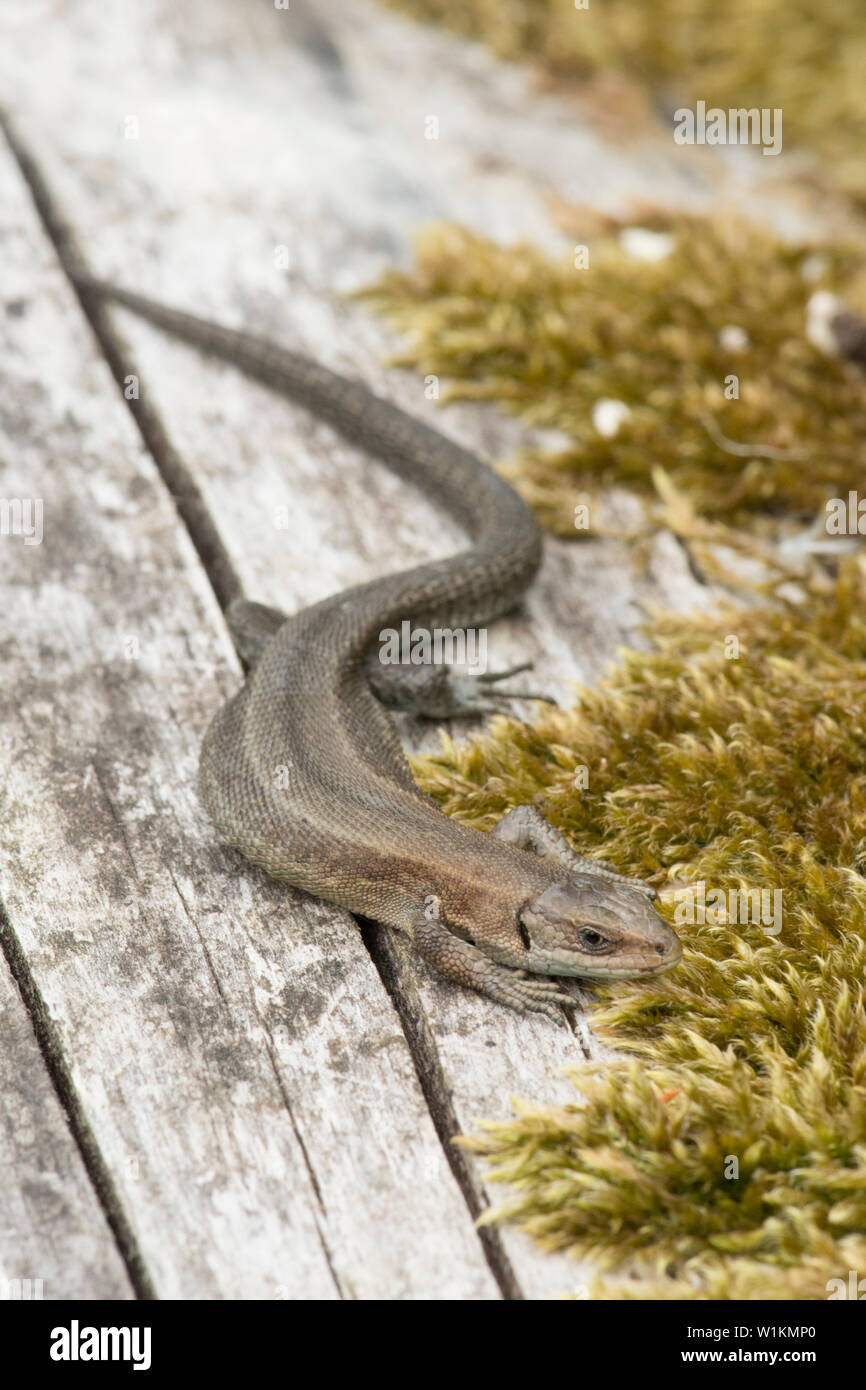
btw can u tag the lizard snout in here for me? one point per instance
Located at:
(597, 929)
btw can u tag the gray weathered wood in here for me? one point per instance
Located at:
(184, 149)
(237, 1059)
(54, 1239)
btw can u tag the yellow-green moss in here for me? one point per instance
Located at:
(807, 59)
(548, 341)
(741, 765)
(739, 771)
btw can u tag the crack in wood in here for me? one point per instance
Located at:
(59, 1073)
(174, 473)
(384, 953)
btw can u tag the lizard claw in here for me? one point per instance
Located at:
(441, 692)
(542, 996)
(476, 695)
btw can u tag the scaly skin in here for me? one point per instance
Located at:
(303, 772)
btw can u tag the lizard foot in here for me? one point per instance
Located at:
(439, 692)
(536, 995)
(473, 694)
(526, 828)
(461, 962)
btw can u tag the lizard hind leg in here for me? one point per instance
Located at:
(252, 625)
(525, 827)
(437, 691)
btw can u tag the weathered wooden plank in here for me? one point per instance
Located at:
(255, 131)
(55, 1242)
(239, 1064)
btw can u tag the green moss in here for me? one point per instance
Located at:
(791, 54)
(745, 771)
(548, 341)
(738, 765)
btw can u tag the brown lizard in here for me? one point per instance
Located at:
(303, 772)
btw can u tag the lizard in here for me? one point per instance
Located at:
(303, 772)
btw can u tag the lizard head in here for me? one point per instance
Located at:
(597, 929)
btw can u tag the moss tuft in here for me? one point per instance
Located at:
(722, 1153)
(548, 341)
(747, 53)
(741, 772)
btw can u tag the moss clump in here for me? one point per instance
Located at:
(791, 54)
(724, 1151)
(739, 771)
(548, 341)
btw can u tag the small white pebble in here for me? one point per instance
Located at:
(813, 267)
(645, 245)
(820, 313)
(733, 338)
(608, 415)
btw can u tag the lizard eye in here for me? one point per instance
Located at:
(592, 941)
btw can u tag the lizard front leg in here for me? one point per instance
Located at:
(526, 828)
(462, 963)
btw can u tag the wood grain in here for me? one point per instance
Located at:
(239, 1065)
(55, 1241)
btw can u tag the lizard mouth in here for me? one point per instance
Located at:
(671, 957)
(637, 967)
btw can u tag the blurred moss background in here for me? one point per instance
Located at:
(705, 346)
(807, 59)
